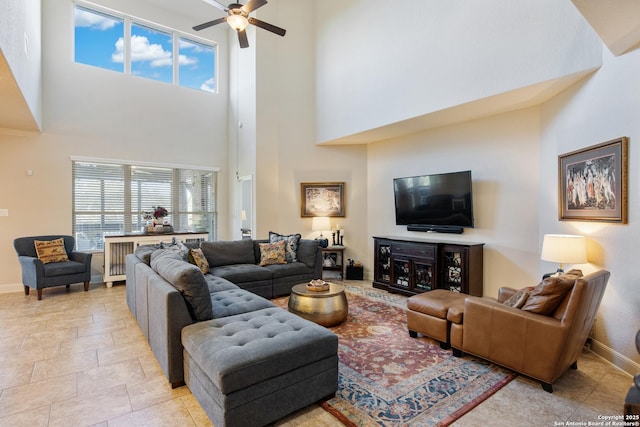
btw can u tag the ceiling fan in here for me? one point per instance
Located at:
(238, 18)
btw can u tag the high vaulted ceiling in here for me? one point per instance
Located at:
(617, 22)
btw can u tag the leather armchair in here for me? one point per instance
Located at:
(38, 276)
(541, 347)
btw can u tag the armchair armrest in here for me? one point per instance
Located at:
(83, 257)
(32, 270)
(527, 342)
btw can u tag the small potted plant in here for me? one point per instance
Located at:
(158, 214)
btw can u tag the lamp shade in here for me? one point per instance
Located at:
(320, 223)
(564, 248)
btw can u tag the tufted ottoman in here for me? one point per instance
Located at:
(252, 369)
(431, 313)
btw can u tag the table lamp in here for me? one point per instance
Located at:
(564, 248)
(321, 223)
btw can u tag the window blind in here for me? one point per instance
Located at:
(111, 198)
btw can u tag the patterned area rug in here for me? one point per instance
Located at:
(390, 379)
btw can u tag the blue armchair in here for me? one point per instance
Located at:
(37, 275)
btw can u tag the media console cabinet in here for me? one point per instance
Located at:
(411, 266)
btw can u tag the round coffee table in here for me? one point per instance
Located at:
(326, 308)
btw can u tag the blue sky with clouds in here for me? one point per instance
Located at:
(99, 41)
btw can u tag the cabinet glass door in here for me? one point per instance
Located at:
(384, 263)
(452, 274)
(423, 276)
(401, 273)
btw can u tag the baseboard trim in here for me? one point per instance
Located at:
(17, 287)
(616, 359)
(11, 287)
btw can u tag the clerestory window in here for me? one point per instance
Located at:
(113, 197)
(118, 42)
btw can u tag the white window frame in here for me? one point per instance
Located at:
(175, 39)
(128, 211)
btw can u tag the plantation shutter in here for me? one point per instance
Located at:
(111, 198)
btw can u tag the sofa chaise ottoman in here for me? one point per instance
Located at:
(254, 368)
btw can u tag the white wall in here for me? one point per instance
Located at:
(286, 153)
(94, 112)
(419, 57)
(502, 153)
(602, 108)
(20, 43)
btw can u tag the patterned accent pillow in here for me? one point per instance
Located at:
(51, 250)
(178, 247)
(199, 259)
(273, 253)
(518, 299)
(291, 250)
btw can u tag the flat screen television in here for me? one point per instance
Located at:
(438, 200)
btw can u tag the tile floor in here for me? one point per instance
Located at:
(79, 359)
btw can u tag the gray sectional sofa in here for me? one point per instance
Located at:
(247, 362)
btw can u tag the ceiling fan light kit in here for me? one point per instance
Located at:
(238, 18)
(237, 22)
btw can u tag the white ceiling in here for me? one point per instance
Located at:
(617, 22)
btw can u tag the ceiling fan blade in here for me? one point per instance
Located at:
(242, 37)
(266, 26)
(216, 4)
(253, 5)
(210, 24)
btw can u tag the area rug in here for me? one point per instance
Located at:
(389, 379)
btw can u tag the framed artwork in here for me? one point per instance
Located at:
(592, 183)
(322, 199)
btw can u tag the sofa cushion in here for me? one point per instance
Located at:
(228, 252)
(241, 273)
(237, 301)
(273, 253)
(53, 269)
(51, 250)
(187, 279)
(144, 252)
(291, 248)
(307, 250)
(217, 284)
(545, 297)
(288, 270)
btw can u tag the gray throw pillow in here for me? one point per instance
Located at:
(178, 247)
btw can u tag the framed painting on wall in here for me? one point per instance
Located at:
(593, 183)
(322, 199)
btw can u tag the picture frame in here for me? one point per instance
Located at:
(592, 183)
(322, 199)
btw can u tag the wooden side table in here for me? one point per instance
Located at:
(333, 259)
